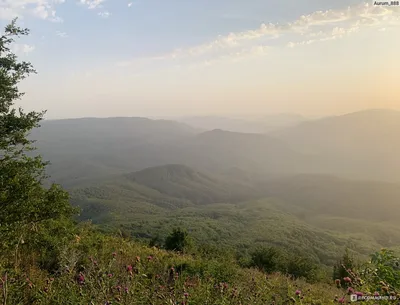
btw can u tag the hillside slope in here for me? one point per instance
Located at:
(318, 214)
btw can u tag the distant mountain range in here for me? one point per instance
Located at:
(261, 124)
(363, 145)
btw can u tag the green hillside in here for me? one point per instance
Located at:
(313, 214)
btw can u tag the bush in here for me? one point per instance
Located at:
(300, 267)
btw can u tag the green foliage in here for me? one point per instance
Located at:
(25, 205)
(384, 267)
(178, 240)
(301, 267)
(272, 259)
(268, 259)
(376, 280)
(341, 270)
(156, 241)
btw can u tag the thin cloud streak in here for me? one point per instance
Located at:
(317, 26)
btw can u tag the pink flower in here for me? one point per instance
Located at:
(337, 282)
(110, 275)
(114, 254)
(341, 300)
(347, 279)
(126, 289)
(298, 292)
(149, 258)
(186, 294)
(350, 290)
(81, 279)
(359, 294)
(129, 268)
(376, 294)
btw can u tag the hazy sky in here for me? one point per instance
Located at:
(180, 57)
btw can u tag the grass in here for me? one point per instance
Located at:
(110, 270)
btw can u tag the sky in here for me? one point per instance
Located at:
(102, 58)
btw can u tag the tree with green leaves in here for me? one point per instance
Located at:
(178, 240)
(25, 204)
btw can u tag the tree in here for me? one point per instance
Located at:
(178, 240)
(25, 204)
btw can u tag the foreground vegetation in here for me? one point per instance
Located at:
(46, 258)
(92, 268)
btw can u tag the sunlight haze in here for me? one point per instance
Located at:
(157, 58)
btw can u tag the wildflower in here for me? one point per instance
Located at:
(347, 279)
(129, 268)
(341, 300)
(149, 258)
(110, 275)
(350, 290)
(81, 279)
(376, 294)
(118, 288)
(138, 258)
(298, 292)
(186, 295)
(126, 289)
(337, 282)
(114, 254)
(359, 294)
